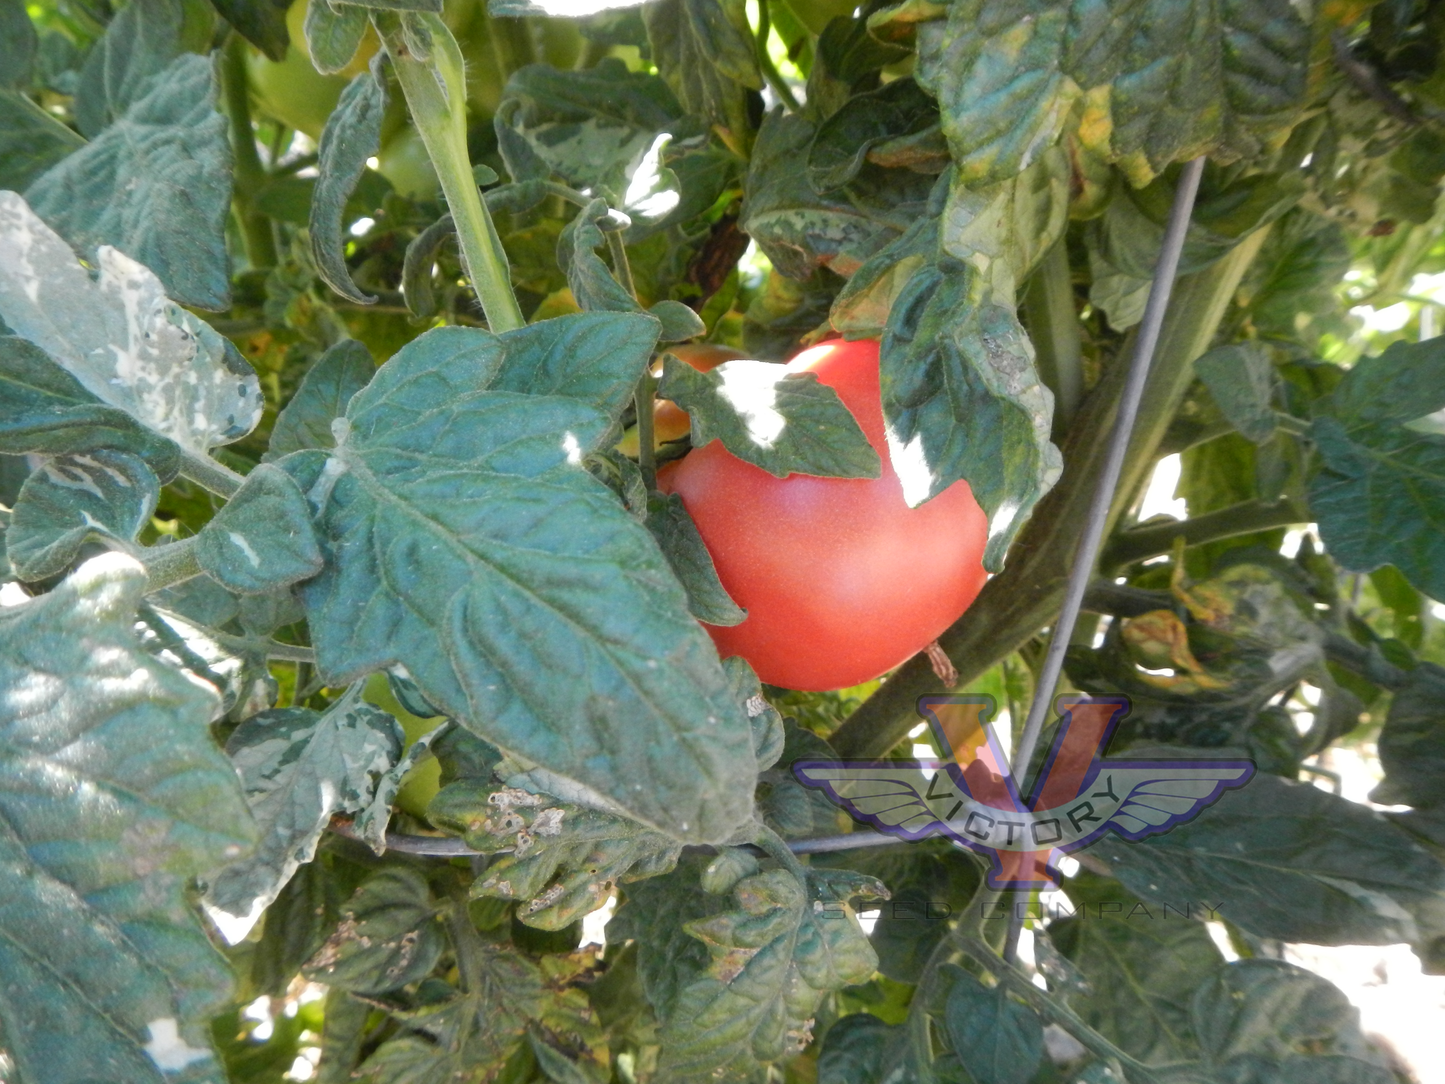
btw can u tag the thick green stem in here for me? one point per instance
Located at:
(1054, 329)
(170, 564)
(436, 94)
(1139, 543)
(208, 474)
(1026, 596)
(256, 231)
(512, 44)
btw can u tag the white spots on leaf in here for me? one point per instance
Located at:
(645, 197)
(247, 551)
(121, 337)
(167, 1049)
(572, 448)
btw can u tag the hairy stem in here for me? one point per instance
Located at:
(1150, 540)
(208, 474)
(170, 564)
(1027, 595)
(256, 232)
(1054, 328)
(436, 94)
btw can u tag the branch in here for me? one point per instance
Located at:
(1027, 595)
(209, 474)
(1152, 539)
(170, 564)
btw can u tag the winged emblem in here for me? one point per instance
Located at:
(973, 798)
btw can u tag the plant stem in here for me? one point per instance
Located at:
(208, 474)
(1026, 596)
(1054, 328)
(770, 72)
(642, 399)
(776, 849)
(621, 267)
(170, 564)
(436, 94)
(250, 174)
(1152, 539)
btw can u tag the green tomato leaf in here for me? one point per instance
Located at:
(704, 50)
(592, 128)
(767, 723)
(262, 538)
(140, 43)
(772, 960)
(655, 914)
(677, 536)
(31, 140)
(351, 136)
(781, 421)
(1293, 862)
(433, 6)
(469, 1034)
(1273, 1009)
(1412, 742)
(962, 401)
(856, 1049)
(114, 797)
(337, 375)
(300, 767)
(261, 22)
(1240, 377)
(1004, 230)
(1379, 495)
(388, 936)
(801, 230)
(593, 285)
(45, 409)
(73, 499)
(466, 542)
(1142, 971)
(1161, 80)
(119, 336)
(18, 45)
(842, 142)
(564, 858)
(998, 1040)
(679, 323)
(371, 823)
(927, 887)
(333, 34)
(860, 311)
(156, 184)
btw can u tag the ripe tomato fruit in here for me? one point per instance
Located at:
(842, 581)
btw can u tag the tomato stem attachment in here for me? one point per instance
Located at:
(436, 95)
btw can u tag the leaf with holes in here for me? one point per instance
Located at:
(388, 936)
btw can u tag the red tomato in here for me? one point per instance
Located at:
(842, 581)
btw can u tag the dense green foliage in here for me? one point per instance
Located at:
(347, 664)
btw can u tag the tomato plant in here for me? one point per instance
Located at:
(842, 581)
(419, 555)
